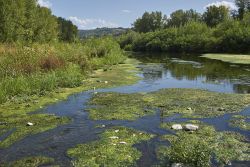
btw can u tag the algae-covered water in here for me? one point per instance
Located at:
(157, 72)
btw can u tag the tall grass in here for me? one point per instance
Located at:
(42, 68)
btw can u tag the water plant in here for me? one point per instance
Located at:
(197, 148)
(190, 103)
(114, 149)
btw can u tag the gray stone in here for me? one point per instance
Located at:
(177, 165)
(30, 124)
(191, 127)
(177, 127)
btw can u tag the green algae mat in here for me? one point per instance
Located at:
(231, 58)
(191, 103)
(114, 149)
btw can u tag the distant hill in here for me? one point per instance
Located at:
(99, 32)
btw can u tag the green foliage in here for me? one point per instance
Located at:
(215, 15)
(67, 30)
(26, 21)
(243, 7)
(100, 32)
(180, 18)
(150, 22)
(213, 31)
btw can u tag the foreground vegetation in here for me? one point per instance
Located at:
(114, 149)
(187, 102)
(235, 59)
(198, 148)
(37, 69)
(16, 113)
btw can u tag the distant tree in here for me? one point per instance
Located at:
(26, 21)
(181, 17)
(12, 20)
(67, 30)
(243, 6)
(150, 22)
(215, 15)
(46, 26)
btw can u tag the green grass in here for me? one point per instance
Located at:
(197, 148)
(231, 58)
(109, 151)
(41, 68)
(171, 101)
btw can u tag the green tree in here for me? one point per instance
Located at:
(67, 30)
(243, 7)
(12, 20)
(215, 15)
(46, 26)
(181, 17)
(150, 22)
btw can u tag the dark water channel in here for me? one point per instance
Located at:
(165, 71)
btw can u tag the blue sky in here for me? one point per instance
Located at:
(89, 14)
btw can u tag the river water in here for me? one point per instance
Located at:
(157, 72)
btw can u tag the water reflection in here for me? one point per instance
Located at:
(203, 72)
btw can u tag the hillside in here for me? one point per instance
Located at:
(99, 32)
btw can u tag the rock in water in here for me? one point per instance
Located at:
(191, 127)
(30, 124)
(177, 165)
(177, 127)
(114, 137)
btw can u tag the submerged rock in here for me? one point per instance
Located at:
(221, 109)
(177, 127)
(191, 127)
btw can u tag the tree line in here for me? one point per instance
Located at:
(26, 21)
(218, 29)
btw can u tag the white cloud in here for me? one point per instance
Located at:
(126, 11)
(91, 23)
(228, 4)
(45, 3)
